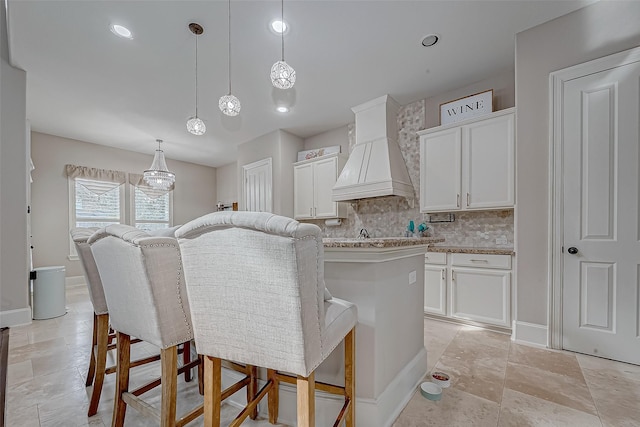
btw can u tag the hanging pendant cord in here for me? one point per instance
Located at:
(229, 14)
(196, 75)
(282, 19)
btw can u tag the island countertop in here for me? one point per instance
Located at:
(379, 242)
(471, 250)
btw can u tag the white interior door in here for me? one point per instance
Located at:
(258, 186)
(601, 256)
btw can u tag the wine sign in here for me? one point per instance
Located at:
(467, 107)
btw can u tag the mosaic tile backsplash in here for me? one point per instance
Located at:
(389, 216)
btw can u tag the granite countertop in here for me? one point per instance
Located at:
(471, 250)
(380, 242)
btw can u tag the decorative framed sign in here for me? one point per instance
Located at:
(467, 107)
(318, 152)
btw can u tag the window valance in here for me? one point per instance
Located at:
(104, 179)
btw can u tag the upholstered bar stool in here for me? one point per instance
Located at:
(144, 290)
(102, 336)
(256, 290)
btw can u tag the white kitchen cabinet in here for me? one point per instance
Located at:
(435, 283)
(474, 287)
(313, 181)
(468, 165)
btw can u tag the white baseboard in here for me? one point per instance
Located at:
(530, 333)
(21, 316)
(380, 412)
(74, 280)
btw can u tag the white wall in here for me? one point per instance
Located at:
(227, 183)
(14, 269)
(338, 136)
(194, 194)
(595, 31)
(283, 148)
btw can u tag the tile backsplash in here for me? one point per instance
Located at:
(389, 216)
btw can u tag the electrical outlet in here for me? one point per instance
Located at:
(412, 277)
(502, 240)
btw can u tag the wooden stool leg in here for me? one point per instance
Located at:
(92, 361)
(350, 376)
(252, 389)
(201, 375)
(212, 391)
(186, 359)
(101, 323)
(274, 396)
(169, 384)
(306, 401)
(123, 343)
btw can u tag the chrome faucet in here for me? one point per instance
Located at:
(364, 234)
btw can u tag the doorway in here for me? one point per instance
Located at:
(257, 186)
(595, 243)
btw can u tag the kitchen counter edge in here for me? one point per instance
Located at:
(386, 242)
(471, 250)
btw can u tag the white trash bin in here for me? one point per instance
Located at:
(49, 297)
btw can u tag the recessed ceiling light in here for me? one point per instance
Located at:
(278, 26)
(283, 109)
(430, 39)
(121, 31)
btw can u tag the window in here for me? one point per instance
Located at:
(151, 211)
(96, 202)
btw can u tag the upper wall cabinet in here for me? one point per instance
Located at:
(468, 165)
(313, 182)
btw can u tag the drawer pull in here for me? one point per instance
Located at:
(479, 260)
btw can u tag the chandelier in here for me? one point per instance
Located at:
(195, 125)
(229, 104)
(158, 175)
(283, 76)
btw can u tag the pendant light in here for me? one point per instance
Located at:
(158, 175)
(283, 76)
(229, 104)
(195, 125)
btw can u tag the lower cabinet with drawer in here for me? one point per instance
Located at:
(466, 286)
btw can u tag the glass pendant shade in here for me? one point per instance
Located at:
(196, 126)
(283, 76)
(229, 105)
(158, 175)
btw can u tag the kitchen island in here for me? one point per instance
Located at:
(384, 277)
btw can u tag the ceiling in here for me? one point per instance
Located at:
(85, 83)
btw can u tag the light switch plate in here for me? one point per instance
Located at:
(502, 240)
(412, 277)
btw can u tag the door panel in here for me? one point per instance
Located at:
(258, 186)
(303, 191)
(440, 155)
(598, 148)
(597, 293)
(600, 156)
(488, 163)
(325, 176)
(435, 290)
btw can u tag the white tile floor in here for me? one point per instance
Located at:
(494, 382)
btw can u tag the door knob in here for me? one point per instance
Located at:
(572, 250)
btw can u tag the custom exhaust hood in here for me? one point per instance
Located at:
(375, 166)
